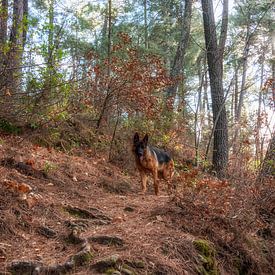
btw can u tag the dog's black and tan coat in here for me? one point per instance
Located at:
(151, 160)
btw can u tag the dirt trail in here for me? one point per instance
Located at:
(86, 195)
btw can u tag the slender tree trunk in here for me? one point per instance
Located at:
(206, 105)
(114, 134)
(146, 42)
(198, 113)
(232, 105)
(16, 48)
(3, 27)
(177, 66)
(259, 112)
(242, 91)
(104, 108)
(3, 20)
(236, 91)
(104, 28)
(51, 46)
(235, 106)
(273, 66)
(215, 65)
(243, 88)
(44, 98)
(109, 33)
(25, 20)
(3, 41)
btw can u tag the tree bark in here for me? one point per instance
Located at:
(243, 83)
(44, 98)
(104, 108)
(17, 42)
(3, 25)
(11, 60)
(215, 65)
(198, 109)
(3, 41)
(259, 153)
(273, 66)
(51, 47)
(146, 42)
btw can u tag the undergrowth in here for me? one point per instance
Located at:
(228, 219)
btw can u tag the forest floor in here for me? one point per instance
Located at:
(80, 214)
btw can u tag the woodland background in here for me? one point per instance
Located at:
(87, 71)
(79, 78)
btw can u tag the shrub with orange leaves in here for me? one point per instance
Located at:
(127, 80)
(219, 197)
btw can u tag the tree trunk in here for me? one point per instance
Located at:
(146, 42)
(109, 33)
(215, 65)
(177, 67)
(259, 112)
(3, 28)
(16, 41)
(206, 105)
(199, 114)
(273, 66)
(104, 108)
(236, 90)
(44, 98)
(12, 60)
(243, 83)
(25, 16)
(3, 41)
(51, 48)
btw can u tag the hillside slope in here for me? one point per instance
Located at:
(84, 215)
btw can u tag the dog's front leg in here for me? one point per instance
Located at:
(143, 182)
(156, 181)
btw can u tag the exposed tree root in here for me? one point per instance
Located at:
(92, 213)
(46, 232)
(81, 258)
(107, 240)
(23, 168)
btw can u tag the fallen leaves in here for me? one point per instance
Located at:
(20, 188)
(23, 191)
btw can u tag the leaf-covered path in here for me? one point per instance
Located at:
(89, 197)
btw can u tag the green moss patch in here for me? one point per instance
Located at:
(207, 255)
(79, 213)
(82, 258)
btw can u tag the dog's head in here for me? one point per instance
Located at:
(140, 146)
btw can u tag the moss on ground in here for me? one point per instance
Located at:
(207, 254)
(84, 258)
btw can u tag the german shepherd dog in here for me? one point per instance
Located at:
(151, 160)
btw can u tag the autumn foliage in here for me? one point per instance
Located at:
(127, 81)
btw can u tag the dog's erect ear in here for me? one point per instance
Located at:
(145, 139)
(136, 138)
